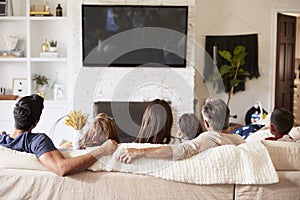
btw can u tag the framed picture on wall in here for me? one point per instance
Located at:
(3, 7)
(19, 86)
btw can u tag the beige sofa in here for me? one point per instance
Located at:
(286, 159)
(38, 184)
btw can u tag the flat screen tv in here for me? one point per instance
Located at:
(130, 36)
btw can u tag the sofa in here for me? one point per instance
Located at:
(23, 177)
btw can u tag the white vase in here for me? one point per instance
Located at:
(53, 49)
(76, 137)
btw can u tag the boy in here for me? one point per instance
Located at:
(281, 122)
(189, 126)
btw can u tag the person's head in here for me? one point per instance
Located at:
(27, 112)
(102, 128)
(189, 126)
(215, 114)
(281, 121)
(156, 123)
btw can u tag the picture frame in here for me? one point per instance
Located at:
(3, 8)
(58, 92)
(19, 86)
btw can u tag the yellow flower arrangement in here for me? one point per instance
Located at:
(76, 119)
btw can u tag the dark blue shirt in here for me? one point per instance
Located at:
(36, 143)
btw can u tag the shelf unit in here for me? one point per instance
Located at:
(32, 31)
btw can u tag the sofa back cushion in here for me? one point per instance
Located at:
(19, 160)
(285, 155)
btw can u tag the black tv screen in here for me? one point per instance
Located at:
(130, 36)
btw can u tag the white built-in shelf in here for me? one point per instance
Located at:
(22, 59)
(32, 32)
(21, 18)
(47, 18)
(49, 59)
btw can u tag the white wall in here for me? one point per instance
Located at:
(243, 17)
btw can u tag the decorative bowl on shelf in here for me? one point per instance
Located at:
(11, 42)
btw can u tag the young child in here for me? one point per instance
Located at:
(281, 122)
(189, 126)
(102, 129)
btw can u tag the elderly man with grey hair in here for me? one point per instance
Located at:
(216, 118)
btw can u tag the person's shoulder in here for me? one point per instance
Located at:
(210, 133)
(38, 136)
(213, 135)
(235, 138)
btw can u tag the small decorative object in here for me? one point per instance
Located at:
(11, 42)
(53, 45)
(19, 86)
(2, 91)
(41, 81)
(76, 137)
(47, 7)
(58, 10)
(9, 8)
(45, 47)
(77, 120)
(58, 92)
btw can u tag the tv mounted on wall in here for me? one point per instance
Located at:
(130, 36)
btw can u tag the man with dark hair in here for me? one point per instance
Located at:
(216, 117)
(281, 122)
(27, 114)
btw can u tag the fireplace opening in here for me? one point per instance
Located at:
(127, 116)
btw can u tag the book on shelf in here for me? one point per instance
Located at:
(49, 54)
(40, 13)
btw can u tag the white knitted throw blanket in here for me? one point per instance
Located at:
(248, 163)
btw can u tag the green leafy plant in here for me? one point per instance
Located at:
(53, 43)
(40, 79)
(231, 72)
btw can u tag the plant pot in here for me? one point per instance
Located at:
(53, 49)
(41, 90)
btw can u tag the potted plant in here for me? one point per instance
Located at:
(40, 82)
(230, 73)
(53, 45)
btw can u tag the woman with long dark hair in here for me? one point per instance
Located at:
(156, 123)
